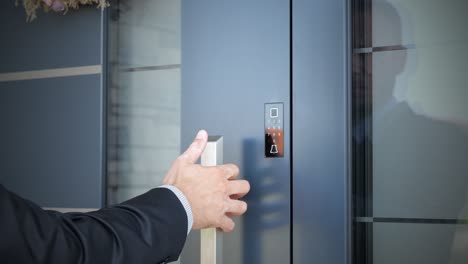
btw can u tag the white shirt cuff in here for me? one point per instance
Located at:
(185, 204)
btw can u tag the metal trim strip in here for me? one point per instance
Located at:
(152, 68)
(411, 220)
(51, 73)
(384, 48)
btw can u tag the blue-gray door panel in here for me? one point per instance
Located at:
(319, 131)
(235, 58)
(50, 41)
(51, 140)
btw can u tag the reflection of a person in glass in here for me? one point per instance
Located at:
(419, 163)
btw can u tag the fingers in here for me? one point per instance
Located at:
(194, 151)
(191, 155)
(236, 207)
(229, 171)
(238, 188)
(226, 224)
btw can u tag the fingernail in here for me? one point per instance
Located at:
(201, 134)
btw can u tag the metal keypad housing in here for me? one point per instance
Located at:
(274, 130)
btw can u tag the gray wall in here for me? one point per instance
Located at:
(52, 127)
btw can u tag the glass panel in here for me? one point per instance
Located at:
(147, 32)
(419, 22)
(144, 95)
(408, 243)
(410, 131)
(419, 161)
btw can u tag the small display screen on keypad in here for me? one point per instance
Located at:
(274, 112)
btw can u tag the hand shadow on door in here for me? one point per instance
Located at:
(266, 223)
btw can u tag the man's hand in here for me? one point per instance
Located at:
(211, 191)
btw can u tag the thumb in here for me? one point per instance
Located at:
(194, 151)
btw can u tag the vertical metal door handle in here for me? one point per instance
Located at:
(211, 240)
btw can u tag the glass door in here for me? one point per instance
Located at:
(409, 131)
(143, 95)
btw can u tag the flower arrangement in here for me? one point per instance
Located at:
(31, 6)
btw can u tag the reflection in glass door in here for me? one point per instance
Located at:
(410, 131)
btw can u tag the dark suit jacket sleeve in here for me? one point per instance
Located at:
(150, 228)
